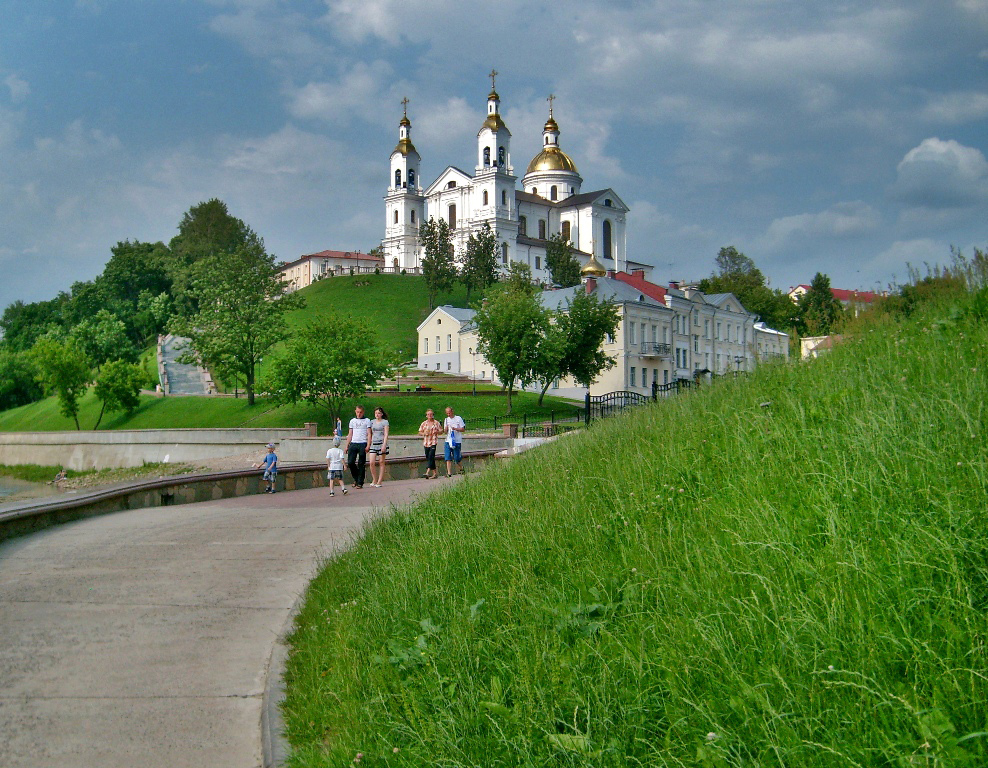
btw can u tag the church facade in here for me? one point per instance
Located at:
(523, 213)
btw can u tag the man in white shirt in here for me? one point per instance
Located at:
(356, 441)
(453, 428)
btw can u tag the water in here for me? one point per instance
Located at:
(15, 489)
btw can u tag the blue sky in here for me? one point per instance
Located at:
(842, 137)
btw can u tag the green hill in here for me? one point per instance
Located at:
(788, 569)
(393, 305)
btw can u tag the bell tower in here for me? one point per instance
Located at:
(404, 201)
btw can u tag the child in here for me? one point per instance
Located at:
(270, 464)
(334, 466)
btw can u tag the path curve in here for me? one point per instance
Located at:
(144, 637)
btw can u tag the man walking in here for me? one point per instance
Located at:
(453, 428)
(356, 451)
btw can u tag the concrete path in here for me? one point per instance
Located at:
(143, 638)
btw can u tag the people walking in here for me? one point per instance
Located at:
(380, 429)
(430, 429)
(356, 442)
(334, 466)
(453, 428)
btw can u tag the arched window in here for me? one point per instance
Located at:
(398, 178)
(452, 216)
(487, 156)
(553, 193)
(522, 225)
(541, 229)
(396, 217)
(546, 140)
(533, 191)
(413, 216)
(504, 197)
(501, 155)
(607, 240)
(565, 231)
(504, 253)
(485, 197)
(411, 177)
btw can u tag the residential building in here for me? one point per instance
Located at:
(307, 269)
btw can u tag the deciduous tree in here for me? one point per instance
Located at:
(559, 259)
(737, 274)
(241, 302)
(118, 386)
(63, 370)
(326, 362)
(480, 261)
(437, 262)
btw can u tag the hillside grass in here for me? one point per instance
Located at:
(392, 305)
(787, 569)
(176, 412)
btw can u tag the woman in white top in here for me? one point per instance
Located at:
(379, 429)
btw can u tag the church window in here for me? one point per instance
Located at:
(504, 253)
(534, 191)
(487, 156)
(553, 193)
(504, 197)
(452, 216)
(411, 177)
(396, 217)
(607, 240)
(572, 190)
(607, 202)
(485, 197)
(398, 178)
(451, 185)
(413, 217)
(522, 225)
(565, 231)
(546, 140)
(501, 155)
(541, 229)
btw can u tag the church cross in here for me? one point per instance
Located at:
(404, 105)
(492, 75)
(552, 98)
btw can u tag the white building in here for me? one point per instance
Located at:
(305, 270)
(549, 199)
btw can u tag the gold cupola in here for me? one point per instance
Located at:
(405, 146)
(593, 268)
(551, 158)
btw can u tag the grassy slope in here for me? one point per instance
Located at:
(405, 413)
(705, 582)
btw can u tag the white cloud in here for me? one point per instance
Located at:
(942, 174)
(841, 220)
(957, 107)
(19, 88)
(359, 93)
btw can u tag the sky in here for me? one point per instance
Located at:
(847, 138)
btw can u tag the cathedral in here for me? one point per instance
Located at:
(549, 200)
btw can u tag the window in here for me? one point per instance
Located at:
(504, 197)
(696, 319)
(665, 377)
(451, 185)
(565, 231)
(643, 332)
(696, 343)
(538, 262)
(718, 331)
(644, 377)
(486, 201)
(541, 229)
(706, 329)
(631, 376)
(631, 333)
(655, 334)
(522, 225)
(483, 374)
(411, 177)
(607, 202)
(413, 217)
(607, 240)
(533, 191)
(655, 377)
(452, 216)
(553, 193)
(449, 366)
(487, 156)
(426, 350)
(504, 253)
(398, 178)
(610, 338)
(396, 217)
(449, 342)
(438, 346)
(501, 155)
(439, 321)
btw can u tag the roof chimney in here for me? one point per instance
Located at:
(591, 285)
(638, 273)
(610, 273)
(674, 285)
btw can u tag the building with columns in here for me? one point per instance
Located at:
(522, 213)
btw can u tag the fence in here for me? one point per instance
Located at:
(538, 424)
(601, 406)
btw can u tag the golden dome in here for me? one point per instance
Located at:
(495, 123)
(550, 125)
(405, 121)
(593, 268)
(552, 159)
(405, 147)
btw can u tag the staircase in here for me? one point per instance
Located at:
(180, 378)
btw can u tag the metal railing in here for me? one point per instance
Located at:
(613, 403)
(656, 349)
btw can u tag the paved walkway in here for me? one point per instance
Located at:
(183, 378)
(143, 638)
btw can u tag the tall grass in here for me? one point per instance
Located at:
(789, 569)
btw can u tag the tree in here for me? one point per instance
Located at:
(584, 325)
(118, 386)
(738, 274)
(103, 337)
(18, 382)
(437, 262)
(480, 260)
(820, 313)
(23, 324)
(559, 259)
(241, 302)
(327, 362)
(63, 370)
(511, 324)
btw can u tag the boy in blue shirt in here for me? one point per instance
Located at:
(270, 464)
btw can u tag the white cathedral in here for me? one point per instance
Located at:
(549, 201)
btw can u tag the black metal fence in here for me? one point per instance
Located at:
(613, 403)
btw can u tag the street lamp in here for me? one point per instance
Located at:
(473, 368)
(398, 372)
(737, 362)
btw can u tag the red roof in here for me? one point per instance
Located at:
(638, 282)
(864, 297)
(356, 255)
